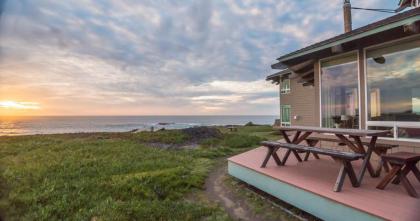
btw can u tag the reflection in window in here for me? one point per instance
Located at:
(413, 133)
(390, 129)
(339, 92)
(393, 80)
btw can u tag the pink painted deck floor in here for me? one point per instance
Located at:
(318, 177)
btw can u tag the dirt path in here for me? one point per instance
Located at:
(216, 191)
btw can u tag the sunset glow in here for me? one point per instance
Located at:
(84, 58)
(19, 105)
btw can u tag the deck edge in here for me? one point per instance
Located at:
(314, 204)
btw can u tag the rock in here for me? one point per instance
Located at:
(250, 124)
(202, 133)
(195, 136)
(134, 131)
(165, 123)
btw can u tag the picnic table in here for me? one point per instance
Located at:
(232, 128)
(350, 137)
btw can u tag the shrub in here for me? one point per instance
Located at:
(210, 143)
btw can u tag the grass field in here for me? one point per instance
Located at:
(112, 176)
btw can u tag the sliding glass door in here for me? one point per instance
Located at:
(393, 86)
(339, 92)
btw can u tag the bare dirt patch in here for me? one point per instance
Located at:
(217, 192)
(243, 202)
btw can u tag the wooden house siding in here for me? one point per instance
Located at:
(302, 102)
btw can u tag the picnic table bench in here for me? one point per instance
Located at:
(380, 149)
(402, 163)
(344, 157)
(349, 137)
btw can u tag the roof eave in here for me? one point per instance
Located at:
(356, 36)
(275, 76)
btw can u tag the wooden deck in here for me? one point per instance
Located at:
(318, 177)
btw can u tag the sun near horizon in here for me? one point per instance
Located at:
(17, 108)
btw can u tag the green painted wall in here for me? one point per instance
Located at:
(318, 206)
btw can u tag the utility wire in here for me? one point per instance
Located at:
(377, 10)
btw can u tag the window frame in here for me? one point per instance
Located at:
(394, 124)
(285, 90)
(285, 123)
(357, 53)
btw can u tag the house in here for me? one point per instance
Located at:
(367, 78)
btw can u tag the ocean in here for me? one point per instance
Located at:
(11, 126)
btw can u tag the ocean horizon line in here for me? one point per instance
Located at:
(165, 115)
(23, 125)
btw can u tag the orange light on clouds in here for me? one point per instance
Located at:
(19, 105)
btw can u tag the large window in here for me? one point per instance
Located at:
(285, 115)
(393, 87)
(285, 86)
(339, 92)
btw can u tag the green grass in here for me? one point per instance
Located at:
(264, 132)
(111, 176)
(166, 137)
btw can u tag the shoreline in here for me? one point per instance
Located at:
(135, 130)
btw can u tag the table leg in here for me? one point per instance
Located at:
(402, 173)
(294, 141)
(302, 138)
(361, 149)
(267, 156)
(297, 138)
(345, 169)
(306, 156)
(348, 143)
(276, 157)
(285, 157)
(416, 172)
(340, 179)
(351, 173)
(389, 177)
(381, 163)
(366, 160)
(358, 148)
(410, 189)
(271, 152)
(285, 136)
(311, 144)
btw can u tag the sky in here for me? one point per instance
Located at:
(157, 57)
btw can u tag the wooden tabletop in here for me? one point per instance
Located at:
(343, 131)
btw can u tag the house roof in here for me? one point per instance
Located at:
(275, 77)
(388, 23)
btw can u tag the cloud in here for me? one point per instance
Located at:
(144, 57)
